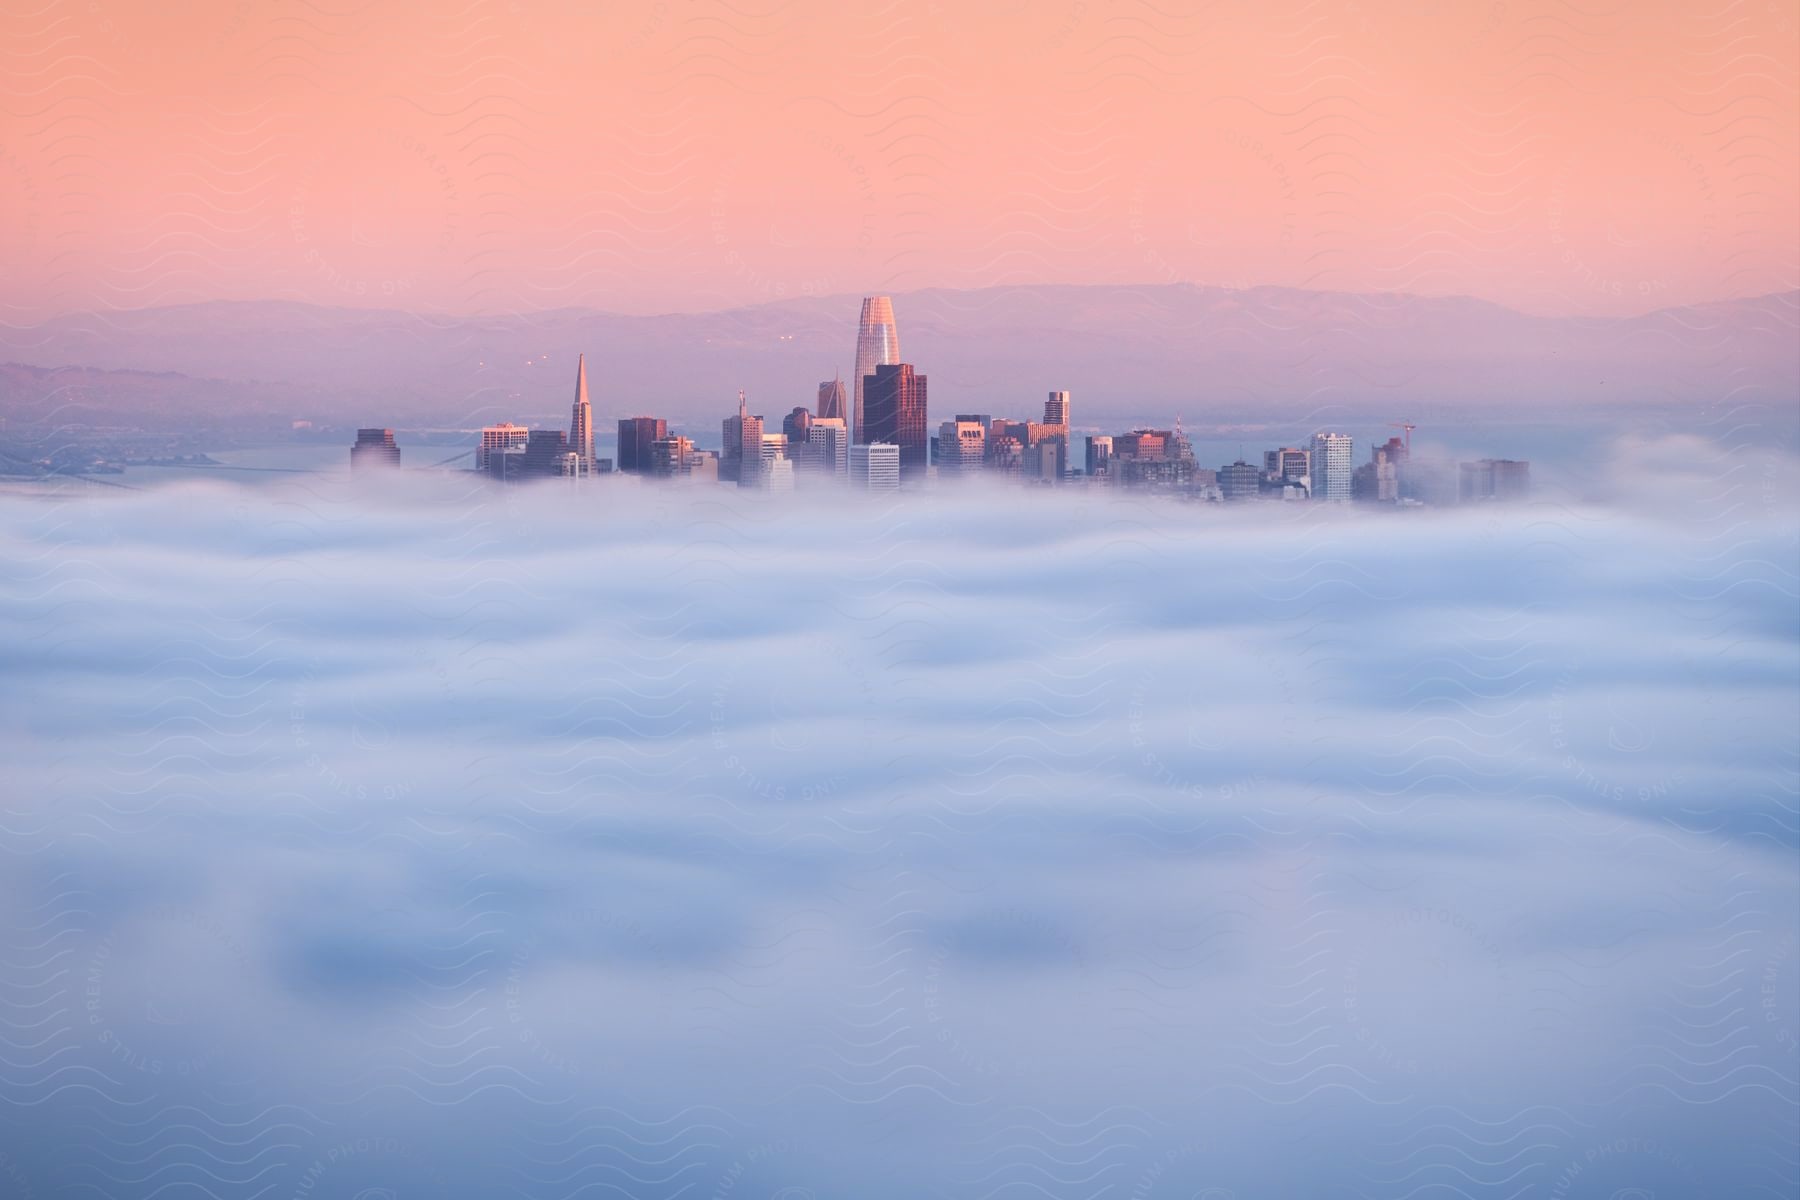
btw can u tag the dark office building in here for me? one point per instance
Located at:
(1099, 450)
(374, 448)
(636, 436)
(798, 426)
(1239, 481)
(894, 411)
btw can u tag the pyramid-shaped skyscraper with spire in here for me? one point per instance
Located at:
(581, 418)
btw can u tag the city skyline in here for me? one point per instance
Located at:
(903, 452)
(1133, 357)
(1284, 684)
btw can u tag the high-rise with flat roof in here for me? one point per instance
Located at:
(1331, 466)
(498, 438)
(670, 456)
(774, 449)
(1099, 450)
(875, 466)
(636, 436)
(895, 411)
(962, 444)
(1043, 460)
(1239, 481)
(1290, 464)
(828, 446)
(374, 448)
(877, 343)
(779, 476)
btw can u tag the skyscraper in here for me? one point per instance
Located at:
(779, 476)
(497, 439)
(636, 436)
(1044, 460)
(374, 448)
(962, 445)
(774, 449)
(581, 416)
(1331, 466)
(797, 425)
(877, 343)
(828, 446)
(743, 448)
(670, 456)
(875, 466)
(1052, 431)
(894, 407)
(1005, 453)
(1239, 481)
(831, 401)
(1099, 450)
(1288, 464)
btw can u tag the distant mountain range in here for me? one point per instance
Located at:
(1210, 354)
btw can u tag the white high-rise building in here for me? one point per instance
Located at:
(774, 449)
(877, 342)
(498, 439)
(876, 467)
(778, 475)
(1331, 466)
(829, 446)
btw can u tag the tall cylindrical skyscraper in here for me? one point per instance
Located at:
(877, 343)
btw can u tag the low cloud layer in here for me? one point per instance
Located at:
(428, 840)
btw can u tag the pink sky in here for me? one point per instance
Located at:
(691, 154)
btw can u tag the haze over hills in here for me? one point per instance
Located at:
(1210, 354)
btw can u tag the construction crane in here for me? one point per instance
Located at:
(1409, 429)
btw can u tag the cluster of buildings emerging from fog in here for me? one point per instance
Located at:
(875, 434)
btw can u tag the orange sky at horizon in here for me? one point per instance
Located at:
(685, 155)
